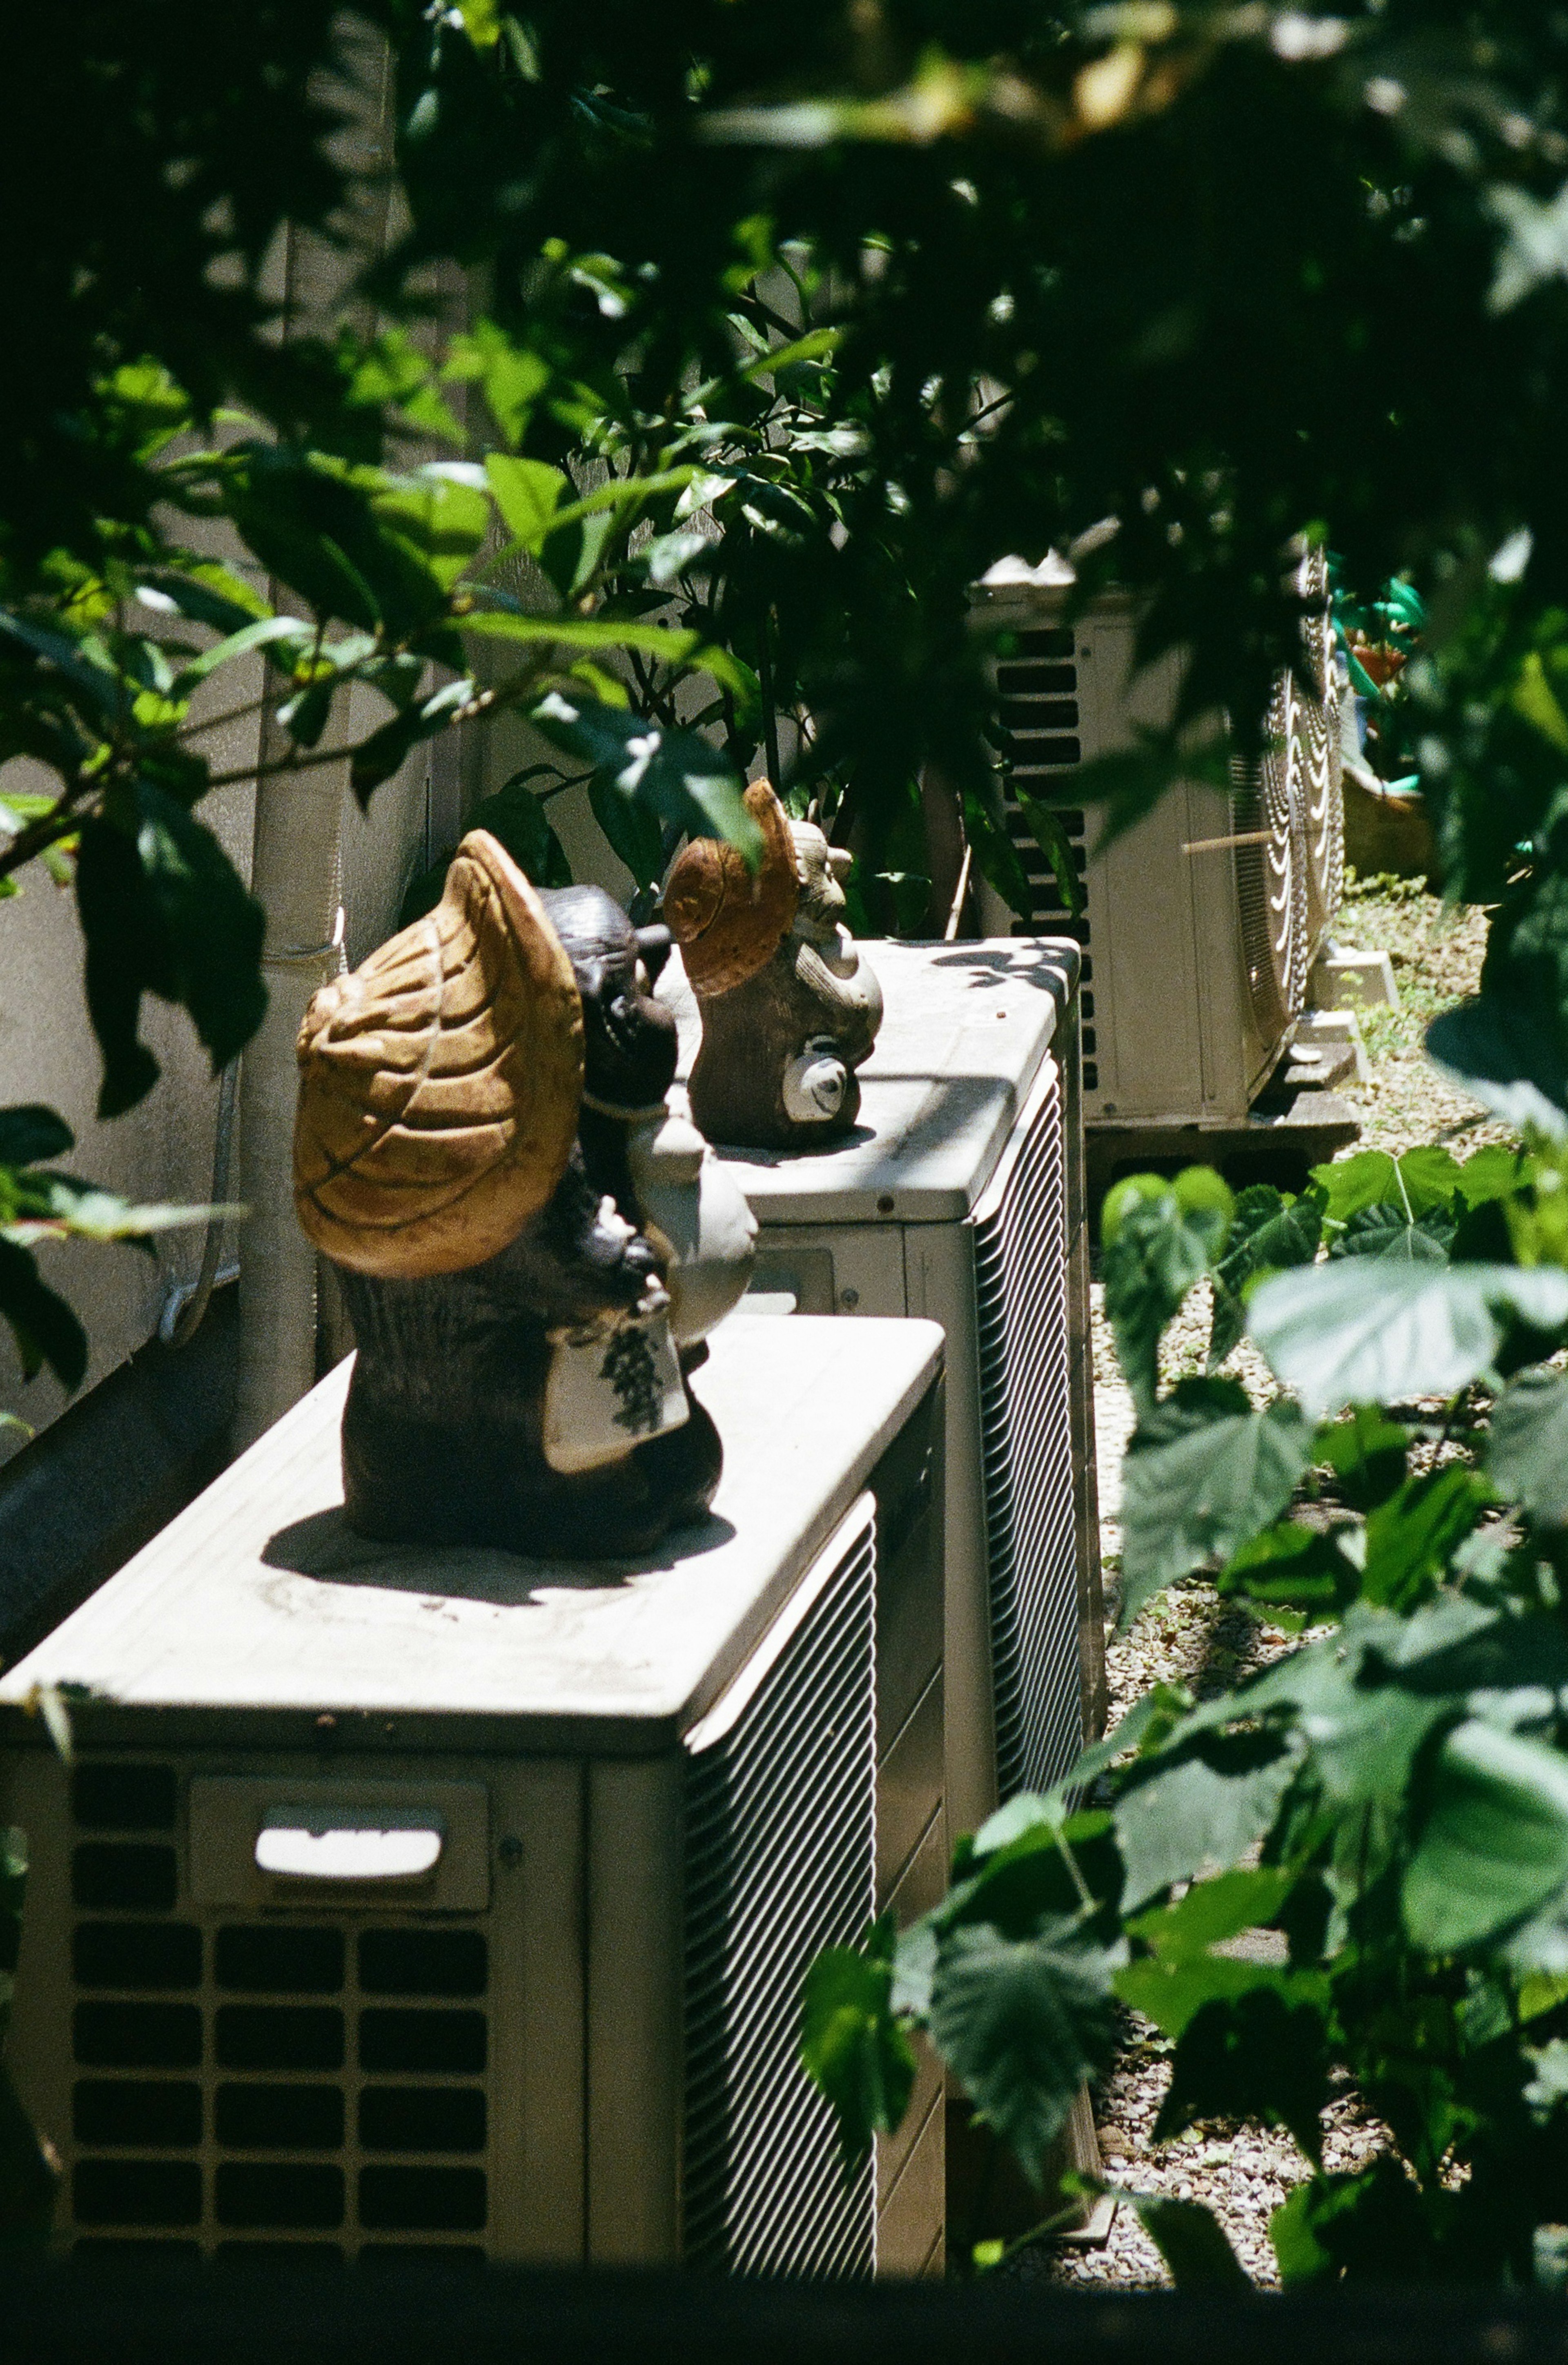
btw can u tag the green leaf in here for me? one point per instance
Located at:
(29, 1134)
(511, 376)
(1021, 2023)
(1409, 1538)
(1153, 1252)
(676, 774)
(1496, 1171)
(1370, 2228)
(164, 912)
(1495, 1844)
(1367, 1454)
(1271, 1232)
(852, 2046)
(1386, 1331)
(1387, 1231)
(1191, 2240)
(1526, 1451)
(1296, 1568)
(262, 633)
(517, 818)
(996, 856)
(633, 831)
(1203, 1474)
(1049, 835)
(1415, 1183)
(44, 1327)
(1211, 1911)
(528, 494)
(1199, 1812)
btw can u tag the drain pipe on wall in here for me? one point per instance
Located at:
(297, 876)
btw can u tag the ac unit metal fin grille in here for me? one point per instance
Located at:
(780, 1855)
(1026, 1423)
(1037, 686)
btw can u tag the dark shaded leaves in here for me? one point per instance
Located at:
(164, 912)
(851, 2044)
(1021, 2023)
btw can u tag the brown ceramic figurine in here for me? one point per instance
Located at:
(789, 1009)
(531, 1246)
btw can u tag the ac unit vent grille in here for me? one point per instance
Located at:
(1026, 1424)
(1271, 878)
(307, 2085)
(1040, 717)
(780, 1850)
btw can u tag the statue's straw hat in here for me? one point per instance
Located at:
(729, 920)
(440, 1081)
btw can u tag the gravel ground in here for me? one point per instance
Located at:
(1190, 1636)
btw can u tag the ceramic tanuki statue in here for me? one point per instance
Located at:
(789, 1009)
(531, 1246)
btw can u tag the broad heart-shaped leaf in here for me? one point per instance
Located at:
(1021, 2023)
(1495, 1844)
(1154, 1251)
(31, 1133)
(1191, 2240)
(1203, 1474)
(1368, 2228)
(1375, 1330)
(164, 912)
(1410, 1536)
(851, 2045)
(1199, 1812)
(1414, 1181)
(1388, 1231)
(44, 1327)
(1509, 1055)
(676, 774)
(1270, 1231)
(1526, 1451)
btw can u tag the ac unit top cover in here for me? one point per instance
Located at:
(259, 1599)
(964, 1031)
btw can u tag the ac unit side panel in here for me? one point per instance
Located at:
(335, 2074)
(779, 1862)
(939, 1269)
(634, 2026)
(1227, 1025)
(1147, 1021)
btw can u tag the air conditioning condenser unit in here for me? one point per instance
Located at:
(447, 1901)
(959, 1196)
(1200, 924)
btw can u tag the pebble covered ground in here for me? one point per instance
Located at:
(1191, 1636)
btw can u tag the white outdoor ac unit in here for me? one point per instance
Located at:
(1200, 925)
(450, 1902)
(960, 1195)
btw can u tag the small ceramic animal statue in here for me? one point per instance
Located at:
(533, 1247)
(789, 1009)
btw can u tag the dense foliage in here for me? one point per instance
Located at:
(1164, 286)
(1391, 1798)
